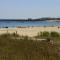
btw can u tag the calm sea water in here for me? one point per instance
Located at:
(27, 23)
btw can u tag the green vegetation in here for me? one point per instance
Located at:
(46, 34)
(55, 34)
(27, 49)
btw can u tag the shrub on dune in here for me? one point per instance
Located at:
(54, 34)
(45, 34)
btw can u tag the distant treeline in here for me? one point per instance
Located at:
(43, 19)
(30, 19)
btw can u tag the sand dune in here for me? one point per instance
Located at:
(30, 31)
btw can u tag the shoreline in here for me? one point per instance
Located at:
(29, 31)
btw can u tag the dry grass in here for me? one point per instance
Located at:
(13, 49)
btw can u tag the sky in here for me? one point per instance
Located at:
(18, 9)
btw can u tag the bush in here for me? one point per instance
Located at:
(45, 34)
(54, 34)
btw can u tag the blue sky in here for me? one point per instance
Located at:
(16, 9)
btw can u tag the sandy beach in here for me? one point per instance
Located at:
(29, 31)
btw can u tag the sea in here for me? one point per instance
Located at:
(16, 23)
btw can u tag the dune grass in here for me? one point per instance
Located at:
(46, 34)
(25, 49)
